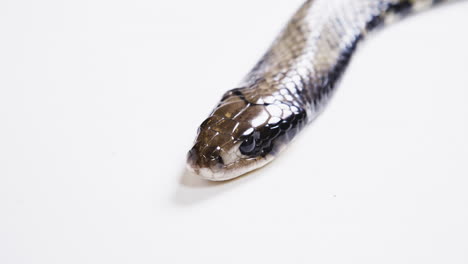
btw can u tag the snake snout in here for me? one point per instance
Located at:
(192, 159)
(204, 164)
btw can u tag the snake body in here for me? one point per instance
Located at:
(290, 85)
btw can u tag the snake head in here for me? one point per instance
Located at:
(240, 136)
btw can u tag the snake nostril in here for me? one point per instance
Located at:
(219, 159)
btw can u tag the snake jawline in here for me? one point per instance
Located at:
(290, 85)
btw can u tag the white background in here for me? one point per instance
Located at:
(100, 101)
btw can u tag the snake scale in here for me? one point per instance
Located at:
(290, 85)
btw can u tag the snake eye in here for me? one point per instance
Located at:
(248, 145)
(264, 140)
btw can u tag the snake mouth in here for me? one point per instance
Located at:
(228, 172)
(214, 169)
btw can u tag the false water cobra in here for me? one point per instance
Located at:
(290, 85)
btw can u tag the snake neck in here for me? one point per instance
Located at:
(305, 63)
(290, 85)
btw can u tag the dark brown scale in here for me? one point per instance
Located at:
(297, 75)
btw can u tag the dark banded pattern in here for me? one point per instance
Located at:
(290, 84)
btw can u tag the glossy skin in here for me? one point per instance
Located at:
(243, 133)
(289, 86)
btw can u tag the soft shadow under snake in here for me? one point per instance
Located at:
(192, 189)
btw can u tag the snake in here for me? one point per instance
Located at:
(290, 85)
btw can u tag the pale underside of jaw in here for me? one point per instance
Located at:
(238, 165)
(230, 172)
